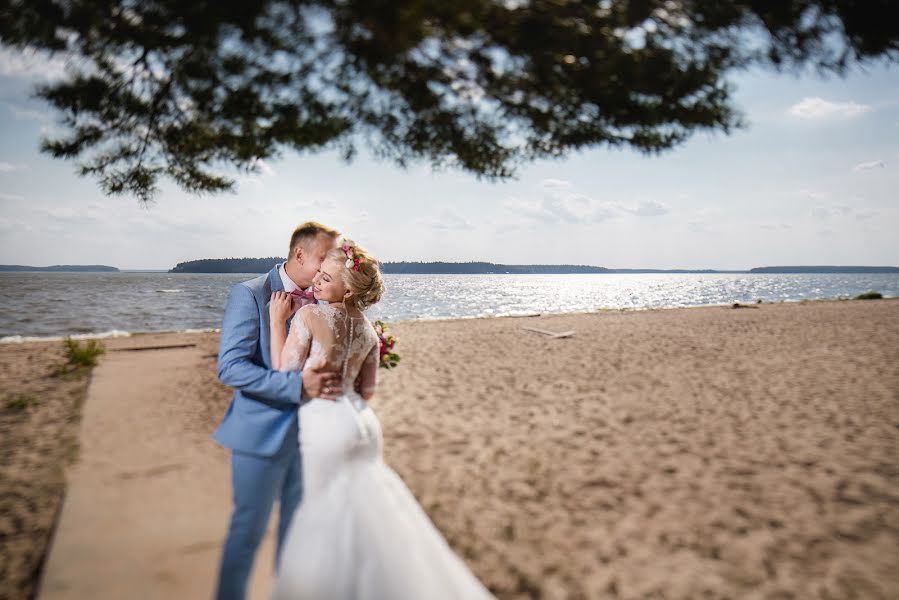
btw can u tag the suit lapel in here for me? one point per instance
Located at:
(272, 285)
(274, 280)
(276, 285)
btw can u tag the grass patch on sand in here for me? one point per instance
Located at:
(79, 358)
(19, 401)
(870, 296)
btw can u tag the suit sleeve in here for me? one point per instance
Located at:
(237, 346)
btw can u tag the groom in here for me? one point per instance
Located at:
(260, 426)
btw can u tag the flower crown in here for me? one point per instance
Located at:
(352, 257)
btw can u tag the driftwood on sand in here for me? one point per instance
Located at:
(550, 334)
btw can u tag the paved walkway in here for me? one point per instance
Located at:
(148, 500)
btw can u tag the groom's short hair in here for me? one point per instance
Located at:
(307, 232)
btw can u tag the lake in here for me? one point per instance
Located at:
(41, 305)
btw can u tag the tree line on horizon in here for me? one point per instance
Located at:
(263, 265)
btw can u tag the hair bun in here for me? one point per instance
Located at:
(371, 293)
(366, 282)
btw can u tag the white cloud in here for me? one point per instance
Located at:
(6, 167)
(862, 215)
(561, 205)
(262, 171)
(699, 227)
(821, 212)
(71, 216)
(553, 209)
(30, 64)
(555, 184)
(603, 211)
(867, 166)
(30, 114)
(813, 195)
(11, 197)
(527, 208)
(11, 225)
(566, 208)
(651, 208)
(840, 210)
(449, 220)
(818, 108)
(506, 227)
(709, 211)
(776, 226)
(317, 205)
(264, 168)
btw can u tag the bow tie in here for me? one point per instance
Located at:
(299, 294)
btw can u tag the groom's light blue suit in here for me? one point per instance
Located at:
(260, 427)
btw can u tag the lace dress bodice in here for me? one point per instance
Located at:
(345, 343)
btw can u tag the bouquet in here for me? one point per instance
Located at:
(386, 342)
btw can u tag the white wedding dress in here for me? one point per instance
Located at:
(359, 533)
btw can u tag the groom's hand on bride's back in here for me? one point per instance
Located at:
(320, 382)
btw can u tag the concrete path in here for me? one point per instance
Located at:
(148, 500)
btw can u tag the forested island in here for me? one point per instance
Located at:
(262, 265)
(227, 265)
(61, 268)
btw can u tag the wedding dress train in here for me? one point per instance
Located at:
(359, 533)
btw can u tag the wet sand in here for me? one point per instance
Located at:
(702, 452)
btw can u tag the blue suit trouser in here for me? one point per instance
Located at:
(257, 481)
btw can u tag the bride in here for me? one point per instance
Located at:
(359, 533)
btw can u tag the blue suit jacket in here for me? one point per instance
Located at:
(265, 402)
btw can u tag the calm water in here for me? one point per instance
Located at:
(59, 304)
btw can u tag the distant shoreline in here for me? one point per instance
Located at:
(251, 266)
(263, 265)
(59, 269)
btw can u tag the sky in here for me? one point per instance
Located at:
(813, 180)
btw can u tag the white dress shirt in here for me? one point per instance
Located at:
(289, 284)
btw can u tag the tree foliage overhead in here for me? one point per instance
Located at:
(185, 89)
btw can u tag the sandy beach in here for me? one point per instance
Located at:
(702, 452)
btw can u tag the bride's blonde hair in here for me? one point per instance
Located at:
(365, 280)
